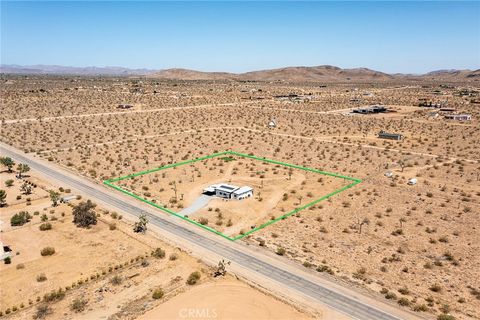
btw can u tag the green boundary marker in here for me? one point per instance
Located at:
(110, 183)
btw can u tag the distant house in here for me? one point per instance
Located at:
(272, 123)
(372, 109)
(125, 106)
(459, 117)
(412, 181)
(227, 191)
(391, 136)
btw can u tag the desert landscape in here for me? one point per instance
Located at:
(61, 270)
(406, 234)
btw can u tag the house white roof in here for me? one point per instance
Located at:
(226, 188)
(242, 190)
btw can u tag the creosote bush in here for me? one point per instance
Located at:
(158, 253)
(158, 294)
(79, 304)
(193, 278)
(47, 251)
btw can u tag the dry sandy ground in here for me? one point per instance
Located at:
(224, 299)
(87, 260)
(277, 190)
(415, 238)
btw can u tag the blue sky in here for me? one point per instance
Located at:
(410, 37)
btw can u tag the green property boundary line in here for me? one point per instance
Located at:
(110, 183)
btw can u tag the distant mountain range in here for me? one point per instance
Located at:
(291, 74)
(63, 70)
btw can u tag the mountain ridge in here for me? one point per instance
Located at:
(290, 74)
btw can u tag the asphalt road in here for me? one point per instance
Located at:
(337, 301)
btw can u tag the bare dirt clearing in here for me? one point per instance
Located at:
(225, 299)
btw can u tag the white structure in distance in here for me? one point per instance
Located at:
(272, 123)
(227, 191)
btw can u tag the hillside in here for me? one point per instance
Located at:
(324, 73)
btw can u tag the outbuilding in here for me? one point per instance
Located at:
(392, 136)
(125, 106)
(459, 117)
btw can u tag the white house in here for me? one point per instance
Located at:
(227, 191)
(459, 117)
(412, 181)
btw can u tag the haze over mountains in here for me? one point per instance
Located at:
(64, 70)
(291, 74)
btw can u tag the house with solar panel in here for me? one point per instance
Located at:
(227, 191)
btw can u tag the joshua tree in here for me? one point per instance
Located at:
(141, 225)
(54, 196)
(26, 188)
(3, 196)
(221, 268)
(22, 168)
(174, 188)
(7, 162)
(360, 224)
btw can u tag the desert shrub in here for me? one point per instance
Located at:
(391, 296)
(78, 304)
(404, 290)
(19, 219)
(325, 268)
(173, 257)
(158, 253)
(436, 288)
(42, 312)
(112, 226)
(7, 260)
(116, 280)
(41, 277)
(54, 296)
(403, 302)
(280, 251)
(84, 214)
(203, 221)
(47, 251)
(193, 278)
(45, 226)
(397, 232)
(420, 307)
(158, 294)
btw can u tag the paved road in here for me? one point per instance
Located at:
(337, 301)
